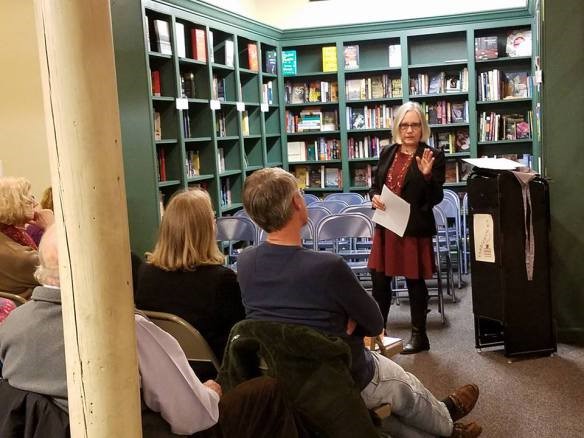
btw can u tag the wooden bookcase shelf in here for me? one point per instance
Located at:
(238, 110)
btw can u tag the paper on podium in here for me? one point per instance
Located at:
(396, 214)
(494, 163)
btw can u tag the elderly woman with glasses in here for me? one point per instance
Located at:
(18, 251)
(414, 171)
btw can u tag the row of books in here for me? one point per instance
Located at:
(218, 89)
(494, 126)
(496, 85)
(186, 119)
(440, 82)
(374, 87)
(220, 124)
(444, 112)
(352, 61)
(321, 149)
(515, 43)
(315, 91)
(367, 147)
(378, 116)
(312, 120)
(268, 92)
(451, 142)
(220, 160)
(457, 171)
(225, 189)
(192, 164)
(318, 177)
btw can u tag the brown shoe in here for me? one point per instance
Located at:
(470, 430)
(463, 400)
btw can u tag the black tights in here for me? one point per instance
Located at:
(417, 292)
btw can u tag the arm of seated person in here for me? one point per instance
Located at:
(170, 386)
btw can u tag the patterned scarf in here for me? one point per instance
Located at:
(18, 235)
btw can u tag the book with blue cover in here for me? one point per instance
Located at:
(289, 64)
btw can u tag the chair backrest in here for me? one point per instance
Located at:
(235, 228)
(363, 209)
(190, 340)
(450, 209)
(307, 232)
(348, 225)
(334, 206)
(440, 219)
(453, 196)
(316, 213)
(16, 299)
(349, 198)
(309, 198)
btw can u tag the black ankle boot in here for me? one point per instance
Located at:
(418, 342)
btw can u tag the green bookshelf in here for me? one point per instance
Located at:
(241, 116)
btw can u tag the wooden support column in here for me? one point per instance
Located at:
(83, 131)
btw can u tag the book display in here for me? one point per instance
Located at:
(218, 97)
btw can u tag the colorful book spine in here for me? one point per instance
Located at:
(329, 58)
(198, 44)
(289, 65)
(252, 56)
(156, 90)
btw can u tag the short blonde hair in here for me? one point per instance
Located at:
(267, 197)
(187, 234)
(15, 199)
(399, 116)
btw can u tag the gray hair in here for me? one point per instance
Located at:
(399, 116)
(47, 272)
(267, 197)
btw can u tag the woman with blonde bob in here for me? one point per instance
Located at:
(184, 274)
(18, 251)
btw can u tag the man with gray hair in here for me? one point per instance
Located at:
(284, 282)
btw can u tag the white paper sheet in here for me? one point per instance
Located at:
(396, 214)
(494, 163)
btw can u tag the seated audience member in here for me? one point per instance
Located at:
(34, 230)
(33, 335)
(185, 276)
(18, 251)
(6, 306)
(284, 282)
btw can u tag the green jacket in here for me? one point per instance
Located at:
(312, 368)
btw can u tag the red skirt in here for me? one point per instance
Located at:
(410, 257)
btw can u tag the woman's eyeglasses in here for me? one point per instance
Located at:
(406, 126)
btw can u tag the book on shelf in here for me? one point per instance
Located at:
(220, 124)
(181, 48)
(155, 77)
(267, 93)
(316, 177)
(289, 64)
(252, 56)
(452, 82)
(221, 159)
(211, 47)
(452, 171)
(188, 84)
(161, 203)
(244, 123)
(162, 35)
(225, 192)
(296, 151)
(271, 60)
(330, 120)
(351, 57)
(157, 126)
(436, 84)
(332, 177)
(302, 176)
(314, 91)
(161, 164)
(199, 44)
(459, 112)
(395, 60)
(518, 43)
(229, 52)
(356, 118)
(218, 88)
(379, 87)
(464, 170)
(396, 88)
(486, 48)
(309, 120)
(516, 85)
(193, 164)
(462, 142)
(354, 89)
(298, 94)
(329, 58)
(186, 124)
(362, 176)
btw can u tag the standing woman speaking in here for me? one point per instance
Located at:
(414, 171)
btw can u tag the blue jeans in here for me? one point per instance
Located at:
(415, 412)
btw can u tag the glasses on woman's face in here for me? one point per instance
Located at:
(407, 126)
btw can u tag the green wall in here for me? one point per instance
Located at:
(563, 146)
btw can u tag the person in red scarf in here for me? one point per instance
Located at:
(18, 251)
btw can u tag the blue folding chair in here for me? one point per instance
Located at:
(349, 198)
(309, 198)
(233, 229)
(334, 206)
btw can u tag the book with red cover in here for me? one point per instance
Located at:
(156, 83)
(198, 44)
(161, 165)
(252, 56)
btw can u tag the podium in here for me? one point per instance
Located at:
(509, 308)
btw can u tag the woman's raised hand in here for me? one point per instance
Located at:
(426, 162)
